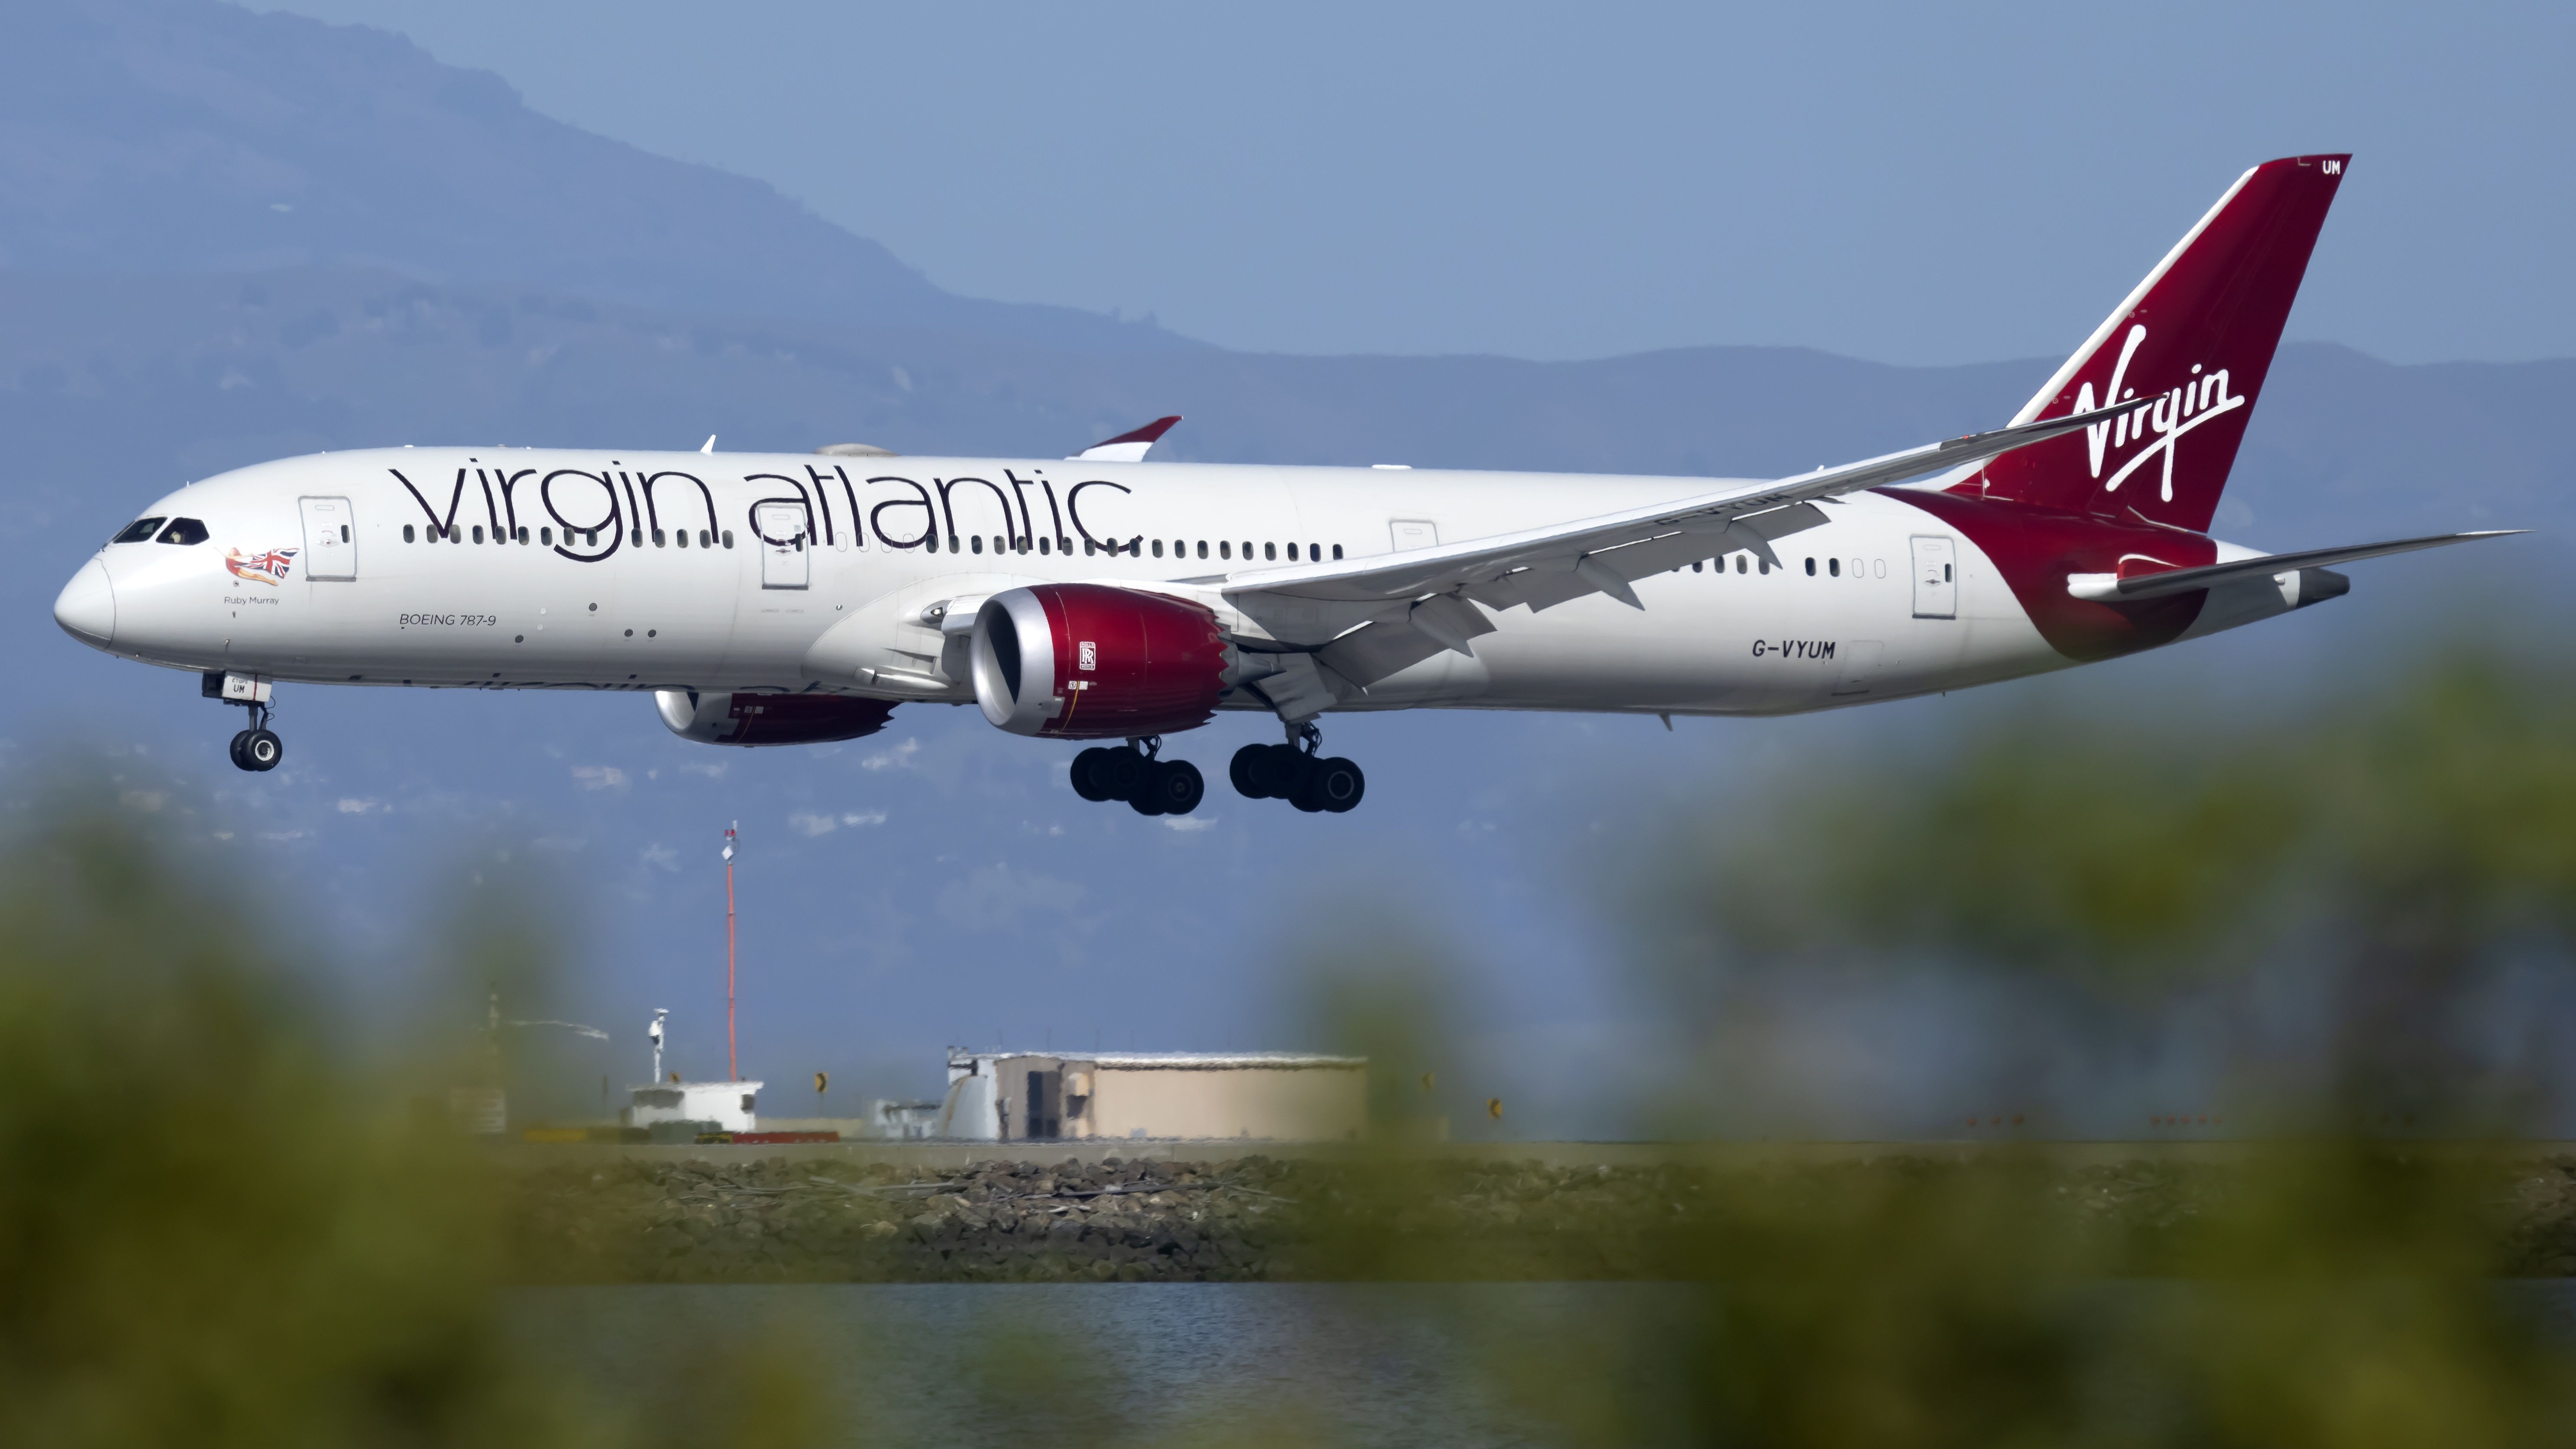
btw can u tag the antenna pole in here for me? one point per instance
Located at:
(733, 1065)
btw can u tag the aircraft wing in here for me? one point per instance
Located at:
(1544, 567)
(2112, 588)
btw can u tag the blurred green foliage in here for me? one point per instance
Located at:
(217, 1227)
(220, 1224)
(2407, 841)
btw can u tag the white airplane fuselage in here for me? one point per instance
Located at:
(447, 580)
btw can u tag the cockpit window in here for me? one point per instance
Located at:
(139, 531)
(184, 530)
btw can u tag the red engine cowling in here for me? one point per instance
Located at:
(769, 719)
(1091, 662)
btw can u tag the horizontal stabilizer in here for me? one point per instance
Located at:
(1129, 447)
(2112, 588)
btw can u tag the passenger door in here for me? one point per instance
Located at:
(330, 538)
(1936, 578)
(785, 562)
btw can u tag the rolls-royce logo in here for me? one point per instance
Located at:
(1086, 655)
(2196, 400)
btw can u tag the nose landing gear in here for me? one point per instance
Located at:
(1298, 773)
(1133, 773)
(257, 748)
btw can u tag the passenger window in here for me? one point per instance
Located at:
(1224, 550)
(344, 533)
(545, 536)
(1811, 568)
(681, 538)
(1292, 553)
(1086, 548)
(1042, 545)
(1694, 565)
(1833, 566)
(1270, 552)
(407, 533)
(1739, 564)
(139, 531)
(1314, 553)
(658, 539)
(1203, 548)
(1158, 548)
(1945, 573)
(728, 538)
(184, 531)
(1337, 553)
(979, 543)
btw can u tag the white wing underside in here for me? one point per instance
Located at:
(1378, 615)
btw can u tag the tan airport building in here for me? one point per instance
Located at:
(1263, 1096)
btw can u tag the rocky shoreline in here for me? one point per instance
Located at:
(1257, 1218)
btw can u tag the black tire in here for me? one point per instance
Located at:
(1178, 787)
(1276, 772)
(1118, 774)
(1337, 784)
(1245, 771)
(1147, 798)
(240, 760)
(263, 749)
(1083, 784)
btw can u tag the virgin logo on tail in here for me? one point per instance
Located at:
(2184, 407)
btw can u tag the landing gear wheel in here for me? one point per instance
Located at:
(1172, 787)
(241, 761)
(261, 749)
(1118, 774)
(1086, 780)
(1244, 771)
(1270, 771)
(1335, 784)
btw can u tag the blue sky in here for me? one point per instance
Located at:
(1917, 184)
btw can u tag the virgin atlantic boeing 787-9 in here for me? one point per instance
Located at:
(794, 598)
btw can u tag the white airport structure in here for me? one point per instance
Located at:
(729, 1105)
(1016, 1096)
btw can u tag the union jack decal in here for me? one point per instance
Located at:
(264, 568)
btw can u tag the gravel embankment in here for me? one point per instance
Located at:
(628, 1219)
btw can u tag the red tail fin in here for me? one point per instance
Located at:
(2200, 330)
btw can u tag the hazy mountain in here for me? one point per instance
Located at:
(187, 135)
(178, 377)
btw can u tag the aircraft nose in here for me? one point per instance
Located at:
(86, 608)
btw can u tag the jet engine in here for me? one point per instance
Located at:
(769, 719)
(1092, 662)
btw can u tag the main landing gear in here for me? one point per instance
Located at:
(1131, 772)
(258, 748)
(1298, 773)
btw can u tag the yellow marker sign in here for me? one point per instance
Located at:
(1494, 1108)
(820, 1082)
